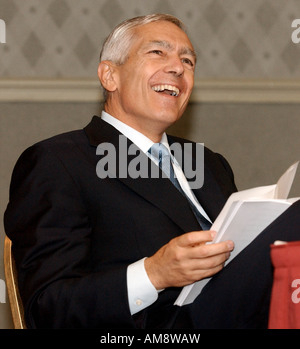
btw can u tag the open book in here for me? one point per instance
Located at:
(245, 215)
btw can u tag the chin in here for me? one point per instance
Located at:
(168, 119)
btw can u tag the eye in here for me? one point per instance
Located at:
(157, 52)
(187, 61)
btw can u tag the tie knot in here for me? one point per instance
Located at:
(159, 151)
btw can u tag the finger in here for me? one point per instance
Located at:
(210, 250)
(197, 269)
(198, 274)
(209, 262)
(195, 238)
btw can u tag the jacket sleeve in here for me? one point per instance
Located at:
(49, 225)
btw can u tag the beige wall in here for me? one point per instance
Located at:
(256, 128)
(233, 38)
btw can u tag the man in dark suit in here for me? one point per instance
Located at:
(113, 251)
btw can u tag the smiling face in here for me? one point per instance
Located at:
(150, 91)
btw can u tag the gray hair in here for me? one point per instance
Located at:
(117, 45)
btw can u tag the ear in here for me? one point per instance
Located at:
(106, 71)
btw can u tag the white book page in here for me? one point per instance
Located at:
(280, 190)
(247, 221)
(285, 182)
(266, 192)
(244, 216)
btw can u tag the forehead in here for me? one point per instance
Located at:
(162, 32)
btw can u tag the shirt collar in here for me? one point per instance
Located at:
(136, 137)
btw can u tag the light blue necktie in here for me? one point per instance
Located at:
(162, 155)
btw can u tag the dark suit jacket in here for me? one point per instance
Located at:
(75, 234)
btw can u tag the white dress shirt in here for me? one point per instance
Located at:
(141, 292)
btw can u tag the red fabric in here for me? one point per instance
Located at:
(285, 297)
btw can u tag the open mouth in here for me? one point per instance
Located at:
(167, 89)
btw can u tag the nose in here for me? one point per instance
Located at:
(174, 66)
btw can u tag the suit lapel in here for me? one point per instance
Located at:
(159, 191)
(210, 195)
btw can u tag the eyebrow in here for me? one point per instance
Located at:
(167, 45)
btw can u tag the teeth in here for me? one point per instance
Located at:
(160, 88)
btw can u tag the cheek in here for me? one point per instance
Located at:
(189, 81)
(132, 84)
(133, 96)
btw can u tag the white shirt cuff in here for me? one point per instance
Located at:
(141, 292)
